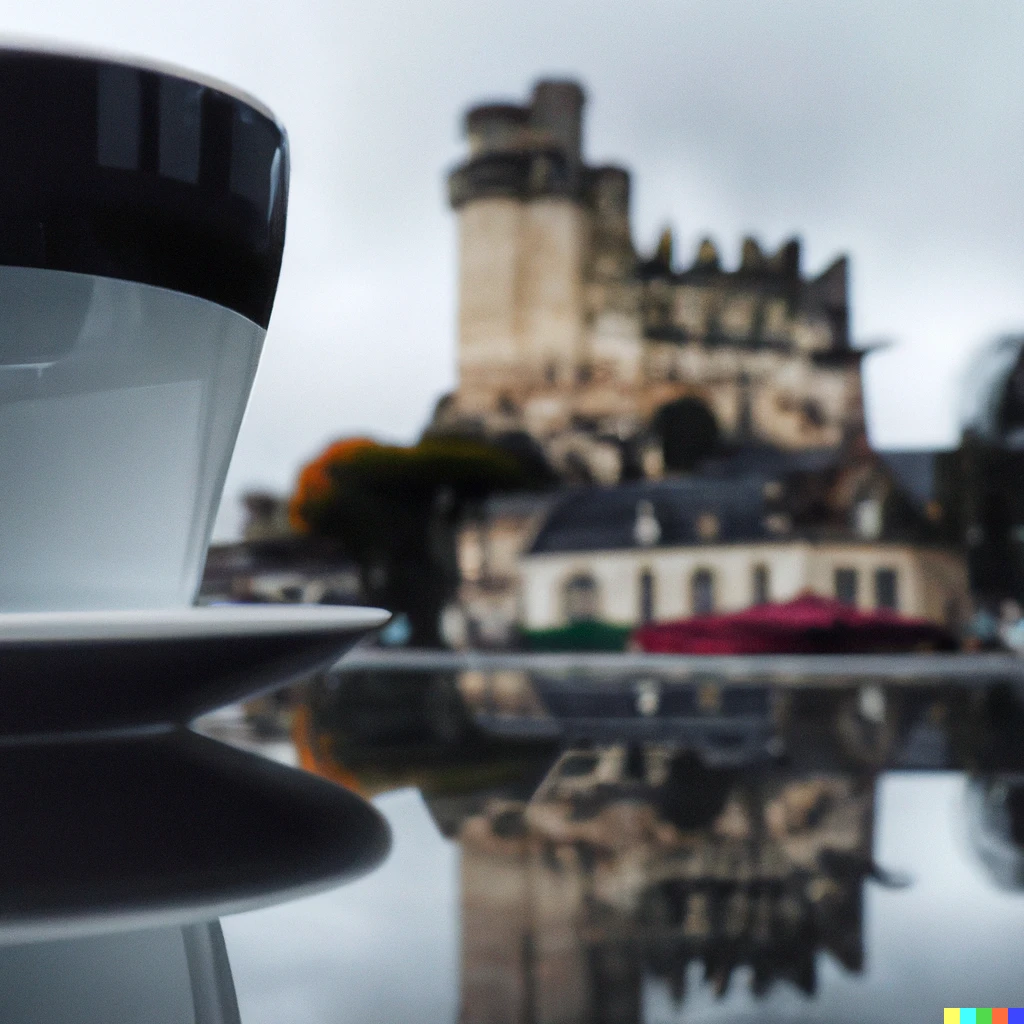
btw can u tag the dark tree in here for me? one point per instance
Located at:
(395, 511)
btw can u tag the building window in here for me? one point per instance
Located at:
(886, 589)
(761, 585)
(868, 515)
(580, 598)
(646, 597)
(846, 586)
(702, 592)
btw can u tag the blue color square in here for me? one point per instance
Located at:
(968, 1015)
(1015, 1015)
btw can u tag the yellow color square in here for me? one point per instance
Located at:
(951, 1015)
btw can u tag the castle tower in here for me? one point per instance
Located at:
(523, 236)
(565, 332)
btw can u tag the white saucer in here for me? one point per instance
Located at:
(114, 814)
(89, 672)
(185, 623)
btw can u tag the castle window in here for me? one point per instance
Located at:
(760, 585)
(646, 597)
(579, 598)
(702, 592)
(707, 526)
(886, 589)
(550, 373)
(814, 415)
(846, 586)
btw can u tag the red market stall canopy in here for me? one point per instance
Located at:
(807, 625)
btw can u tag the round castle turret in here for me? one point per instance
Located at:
(523, 235)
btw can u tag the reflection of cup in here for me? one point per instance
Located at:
(141, 230)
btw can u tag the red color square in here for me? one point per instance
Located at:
(999, 1016)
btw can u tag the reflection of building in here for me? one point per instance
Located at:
(566, 333)
(995, 806)
(616, 870)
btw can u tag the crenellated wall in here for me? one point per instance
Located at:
(564, 329)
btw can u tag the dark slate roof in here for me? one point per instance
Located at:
(603, 518)
(770, 462)
(521, 505)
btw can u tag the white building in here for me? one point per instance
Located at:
(658, 551)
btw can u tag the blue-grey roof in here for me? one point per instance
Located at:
(770, 462)
(604, 518)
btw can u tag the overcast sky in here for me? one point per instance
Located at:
(893, 132)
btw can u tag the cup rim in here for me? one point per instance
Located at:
(41, 47)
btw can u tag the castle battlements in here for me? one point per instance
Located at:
(568, 333)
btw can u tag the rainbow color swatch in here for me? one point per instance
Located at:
(982, 1015)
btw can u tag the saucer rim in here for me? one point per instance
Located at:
(210, 621)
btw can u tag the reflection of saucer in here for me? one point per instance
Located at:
(151, 831)
(88, 671)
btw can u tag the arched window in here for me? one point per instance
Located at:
(760, 581)
(646, 597)
(846, 583)
(579, 598)
(702, 592)
(887, 589)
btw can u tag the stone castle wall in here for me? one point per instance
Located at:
(565, 332)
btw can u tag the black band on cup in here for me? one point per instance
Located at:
(143, 175)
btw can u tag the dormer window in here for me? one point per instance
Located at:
(646, 528)
(708, 526)
(868, 518)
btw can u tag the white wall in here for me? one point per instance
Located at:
(926, 579)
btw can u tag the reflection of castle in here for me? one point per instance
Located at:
(616, 870)
(566, 333)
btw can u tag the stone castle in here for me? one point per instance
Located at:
(566, 333)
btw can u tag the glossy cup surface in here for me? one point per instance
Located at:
(141, 232)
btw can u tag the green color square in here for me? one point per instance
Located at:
(984, 1015)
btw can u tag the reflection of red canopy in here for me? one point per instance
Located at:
(808, 625)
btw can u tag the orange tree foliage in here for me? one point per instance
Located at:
(395, 509)
(314, 483)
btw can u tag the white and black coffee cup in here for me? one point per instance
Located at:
(142, 222)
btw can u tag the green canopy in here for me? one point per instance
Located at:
(579, 636)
